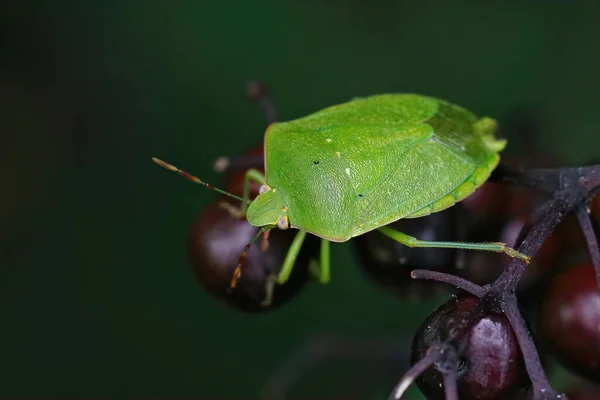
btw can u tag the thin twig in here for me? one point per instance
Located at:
(450, 386)
(539, 382)
(590, 236)
(559, 208)
(450, 279)
(417, 369)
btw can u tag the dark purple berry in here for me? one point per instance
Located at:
(571, 320)
(215, 242)
(491, 366)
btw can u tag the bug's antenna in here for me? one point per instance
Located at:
(195, 179)
(238, 270)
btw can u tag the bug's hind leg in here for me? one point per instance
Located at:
(410, 241)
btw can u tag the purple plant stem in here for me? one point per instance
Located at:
(509, 278)
(417, 369)
(450, 279)
(539, 382)
(592, 242)
(450, 386)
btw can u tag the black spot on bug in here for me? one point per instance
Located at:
(316, 162)
(360, 195)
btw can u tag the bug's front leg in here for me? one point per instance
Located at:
(250, 175)
(323, 273)
(411, 241)
(286, 268)
(291, 256)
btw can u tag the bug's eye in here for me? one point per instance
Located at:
(263, 188)
(282, 222)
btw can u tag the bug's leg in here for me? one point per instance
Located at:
(237, 272)
(269, 288)
(462, 234)
(411, 241)
(265, 241)
(324, 269)
(251, 175)
(320, 270)
(290, 258)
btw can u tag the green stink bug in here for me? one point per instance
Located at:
(361, 165)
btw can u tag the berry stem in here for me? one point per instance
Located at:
(417, 369)
(450, 279)
(539, 382)
(450, 386)
(539, 232)
(590, 236)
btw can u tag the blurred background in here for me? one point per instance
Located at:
(96, 296)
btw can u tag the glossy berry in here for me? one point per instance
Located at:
(571, 320)
(216, 240)
(491, 365)
(389, 263)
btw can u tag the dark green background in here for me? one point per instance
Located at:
(96, 297)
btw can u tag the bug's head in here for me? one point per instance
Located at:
(268, 209)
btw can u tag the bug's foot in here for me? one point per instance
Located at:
(233, 210)
(515, 254)
(269, 288)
